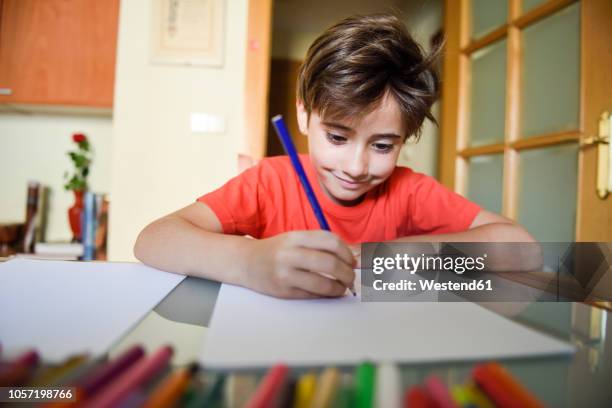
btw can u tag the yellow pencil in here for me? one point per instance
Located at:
(304, 390)
(50, 375)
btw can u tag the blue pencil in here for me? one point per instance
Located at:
(285, 138)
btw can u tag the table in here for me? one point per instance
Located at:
(582, 380)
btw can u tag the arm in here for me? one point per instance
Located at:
(191, 241)
(486, 227)
(489, 228)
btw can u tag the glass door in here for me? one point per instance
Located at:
(524, 87)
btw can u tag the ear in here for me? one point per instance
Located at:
(302, 117)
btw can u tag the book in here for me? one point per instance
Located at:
(32, 215)
(59, 248)
(94, 226)
(88, 229)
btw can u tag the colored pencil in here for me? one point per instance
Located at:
(327, 385)
(503, 390)
(269, 387)
(345, 397)
(239, 389)
(19, 371)
(102, 376)
(53, 374)
(304, 390)
(364, 385)
(172, 387)
(388, 386)
(480, 399)
(470, 396)
(417, 397)
(133, 378)
(462, 397)
(211, 395)
(439, 393)
(287, 142)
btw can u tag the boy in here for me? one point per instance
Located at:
(364, 88)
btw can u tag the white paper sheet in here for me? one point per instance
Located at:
(249, 330)
(62, 308)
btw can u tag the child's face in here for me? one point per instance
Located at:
(353, 156)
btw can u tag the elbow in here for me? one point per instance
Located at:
(524, 235)
(139, 248)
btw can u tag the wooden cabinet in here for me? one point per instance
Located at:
(58, 52)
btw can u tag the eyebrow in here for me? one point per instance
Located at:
(340, 126)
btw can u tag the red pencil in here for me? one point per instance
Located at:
(20, 370)
(503, 389)
(417, 397)
(439, 393)
(269, 387)
(131, 379)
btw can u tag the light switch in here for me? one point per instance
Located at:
(207, 123)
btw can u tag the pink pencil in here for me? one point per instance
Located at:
(104, 375)
(439, 393)
(130, 380)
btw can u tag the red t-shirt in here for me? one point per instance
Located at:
(268, 199)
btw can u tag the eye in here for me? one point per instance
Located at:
(383, 147)
(336, 139)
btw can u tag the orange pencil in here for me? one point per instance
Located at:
(502, 388)
(171, 388)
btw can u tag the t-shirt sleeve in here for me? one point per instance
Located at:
(239, 203)
(434, 209)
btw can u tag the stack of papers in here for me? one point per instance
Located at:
(63, 308)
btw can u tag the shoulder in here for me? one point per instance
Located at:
(273, 168)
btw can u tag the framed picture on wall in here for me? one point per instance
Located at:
(188, 32)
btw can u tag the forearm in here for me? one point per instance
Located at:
(509, 247)
(175, 245)
(495, 232)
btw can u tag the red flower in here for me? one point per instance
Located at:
(79, 137)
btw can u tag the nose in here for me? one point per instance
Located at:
(356, 165)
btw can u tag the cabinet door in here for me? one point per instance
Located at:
(58, 52)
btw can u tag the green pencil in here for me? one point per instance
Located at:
(364, 385)
(212, 396)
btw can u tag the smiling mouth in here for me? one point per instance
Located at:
(351, 185)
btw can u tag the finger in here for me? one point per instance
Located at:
(356, 250)
(296, 293)
(320, 262)
(317, 284)
(324, 240)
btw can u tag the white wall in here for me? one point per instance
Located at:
(33, 146)
(297, 24)
(423, 19)
(158, 165)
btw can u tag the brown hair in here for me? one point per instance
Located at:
(356, 62)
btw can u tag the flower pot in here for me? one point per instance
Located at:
(74, 215)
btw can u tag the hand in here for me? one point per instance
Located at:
(356, 250)
(300, 264)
